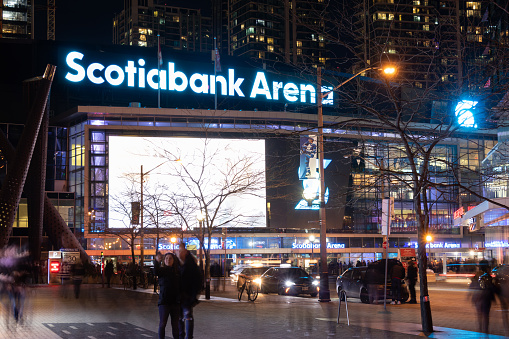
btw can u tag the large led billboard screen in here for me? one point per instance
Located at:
(180, 168)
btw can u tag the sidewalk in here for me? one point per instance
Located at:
(109, 313)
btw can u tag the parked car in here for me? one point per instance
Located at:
(234, 273)
(288, 280)
(354, 282)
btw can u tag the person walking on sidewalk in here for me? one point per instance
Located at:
(108, 271)
(168, 273)
(412, 279)
(191, 285)
(397, 274)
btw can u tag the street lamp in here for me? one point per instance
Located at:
(312, 241)
(200, 217)
(142, 233)
(324, 294)
(429, 239)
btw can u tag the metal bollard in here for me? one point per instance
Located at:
(343, 293)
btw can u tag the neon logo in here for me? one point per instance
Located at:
(464, 113)
(134, 75)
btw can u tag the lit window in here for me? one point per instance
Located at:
(391, 51)
(425, 27)
(242, 26)
(321, 60)
(142, 43)
(299, 43)
(261, 55)
(382, 16)
(391, 16)
(418, 85)
(261, 38)
(176, 18)
(142, 30)
(417, 18)
(250, 30)
(270, 48)
(270, 41)
(143, 37)
(260, 22)
(299, 51)
(149, 31)
(156, 14)
(417, 3)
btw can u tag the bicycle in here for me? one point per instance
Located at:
(127, 281)
(251, 289)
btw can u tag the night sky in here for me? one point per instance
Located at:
(91, 21)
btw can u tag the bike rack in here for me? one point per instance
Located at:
(343, 293)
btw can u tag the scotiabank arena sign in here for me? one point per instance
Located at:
(170, 78)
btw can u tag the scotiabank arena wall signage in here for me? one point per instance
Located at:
(135, 74)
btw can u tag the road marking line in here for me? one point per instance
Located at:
(90, 324)
(140, 329)
(66, 332)
(113, 328)
(73, 327)
(113, 334)
(50, 325)
(146, 335)
(91, 337)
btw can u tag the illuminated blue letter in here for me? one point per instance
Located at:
(80, 71)
(90, 73)
(131, 71)
(114, 68)
(234, 86)
(172, 76)
(291, 92)
(260, 80)
(203, 78)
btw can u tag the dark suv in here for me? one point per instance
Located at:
(355, 282)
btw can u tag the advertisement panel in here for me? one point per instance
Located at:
(169, 163)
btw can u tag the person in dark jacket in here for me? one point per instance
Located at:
(397, 275)
(108, 271)
(191, 283)
(412, 279)
(168, 274)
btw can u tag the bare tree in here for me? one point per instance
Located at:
(406, 126)
(221, 179)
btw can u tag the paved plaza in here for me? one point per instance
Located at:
(52, 312)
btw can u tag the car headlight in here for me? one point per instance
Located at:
(258, 281)
(289, 283)
(315, 282)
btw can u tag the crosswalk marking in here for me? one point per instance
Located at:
(111, 333)
(73, 327)
(90, 324)
(66, 332)
(113, 328)
(91, 337)
(146, 335)
(50, 325)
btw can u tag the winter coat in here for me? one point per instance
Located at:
(169, 284)
(398, 271)
(191, 280)
(412, 272)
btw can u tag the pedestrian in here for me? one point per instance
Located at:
(397, 275)
(412, 279)
(108, 271)
(191, 285)
(482, 297)
(65, 278)
(78, 272)
(168, 272)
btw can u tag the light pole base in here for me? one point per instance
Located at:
(207, 289)
(324, 293)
